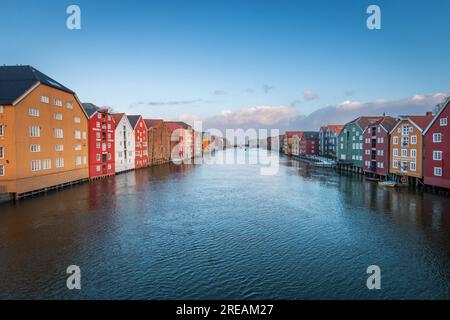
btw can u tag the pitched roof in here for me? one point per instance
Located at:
(133, 120)
(310, 135)
(90, 108)
(333, 127)
(387, 122)
(421, 122)
(152, 122)
(290, 134)
(117, 117)
(364, 121)
(182, 124)
(438, 114)
(172, 126)
(17, 80)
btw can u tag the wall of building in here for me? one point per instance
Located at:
(124, 146)
(413, 131)
(18, 155)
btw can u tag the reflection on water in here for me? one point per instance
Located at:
(226, 232)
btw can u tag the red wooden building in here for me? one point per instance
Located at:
(141, 141)
(376, 147)
(101, 137)
(309, 144)
(437, 149)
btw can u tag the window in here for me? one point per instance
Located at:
(99, 116)
(33, 112)
(413, 153)
(97, 135)
(58, 116)
(98, 168)
(405, 130)
(77, 120)
(57, 103)
(84, 135)
(395, 164)
(77, 134)
(404, 152)
(395, 140)
(46, 164)
(367, 152)
(97, 124)
(437, 137)
(2, 130)
(381, 165)
(35, 148)
(1, 109)
(35, 131)
(78, 147)
(413, 139)
(45, 99)
(412, 166)
(69, 105)
(438, 171)
(437, 155)
(59, 147)
(35, 165)
(405, 141)
(78, 161)
(59, 133)
(2, 170)
(2, 152)
(443, 122)
(59, 162)
(97, 157)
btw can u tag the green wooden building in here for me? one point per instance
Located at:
(350, 143)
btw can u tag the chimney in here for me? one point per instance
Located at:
(429, 114)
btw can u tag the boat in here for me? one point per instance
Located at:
(387, 184)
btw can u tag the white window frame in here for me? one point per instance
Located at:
(435, 153)
(413, 153)
(45, 99)
(46, 164)
(34, 131)
(443, 122)
(59, 133)
(35, 148)
(58, 116)
(413, 166)
(34, 112)
(59, 162)
(436, 139)
(413, 139)
(436, 169)
(2, 152)
(77, 119)
(36, 165)
(395, 140)
(395, 164)
(69, 105)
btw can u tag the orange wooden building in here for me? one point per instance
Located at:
(406, 148)
(43, 132)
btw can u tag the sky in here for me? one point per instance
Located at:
(248, 63)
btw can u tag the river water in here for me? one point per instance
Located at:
(226, 232)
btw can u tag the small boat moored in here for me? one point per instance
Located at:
(387, 184)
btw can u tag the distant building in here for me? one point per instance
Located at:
(376, 149)
(124, 143)
(43, 132)
(198, 141)
(101, 136)
(141, 142)
(287, 143)
(309, 144)
(406, 150)
(328, 140)
(158, 141)
(350, 143)
(437, 149)
(181, 140)
(295, 145)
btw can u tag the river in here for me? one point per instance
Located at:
(227, 232)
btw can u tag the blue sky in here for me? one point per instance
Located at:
(166, 58)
